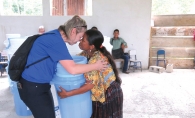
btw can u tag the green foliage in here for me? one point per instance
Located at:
(170, 7)
(22, 7)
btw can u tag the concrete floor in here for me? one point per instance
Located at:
(146, 95)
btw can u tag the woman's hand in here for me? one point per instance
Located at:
(123, 46)
(86, 87)
(63, 93)
(101, 65)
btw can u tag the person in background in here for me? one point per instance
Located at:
(118, 48)
(106, 93)
(35, 81)
(94, 28)
(41, 29)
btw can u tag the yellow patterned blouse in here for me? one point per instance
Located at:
(101, 80)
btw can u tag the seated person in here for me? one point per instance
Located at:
(41, 29)
(106, 92)
(94, 28)
(118, 49)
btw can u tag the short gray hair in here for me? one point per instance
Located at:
(76, 22)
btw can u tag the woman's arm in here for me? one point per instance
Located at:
(74, 68)
(92, 78)
(124, 42)
(86, 87)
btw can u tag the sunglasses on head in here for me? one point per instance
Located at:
(85, 26)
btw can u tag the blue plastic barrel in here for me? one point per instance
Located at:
(20, 107)
(78, 106)
(8, 78)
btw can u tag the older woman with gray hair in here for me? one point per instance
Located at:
(35, 80)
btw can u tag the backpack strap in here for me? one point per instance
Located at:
(36, 62)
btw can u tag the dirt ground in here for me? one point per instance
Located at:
(146, 95)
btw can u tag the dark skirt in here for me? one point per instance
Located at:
(113, 106)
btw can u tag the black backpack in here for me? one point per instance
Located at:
(18, 61)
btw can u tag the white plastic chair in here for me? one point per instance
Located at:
(133, 62)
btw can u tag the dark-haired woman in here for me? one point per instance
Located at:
(107, 95)
(35, 92)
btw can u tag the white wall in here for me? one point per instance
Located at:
(131, 17)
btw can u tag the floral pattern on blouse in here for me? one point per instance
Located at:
(101, 80)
